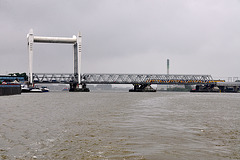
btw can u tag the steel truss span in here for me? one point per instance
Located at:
(122, 78)
(55, 78)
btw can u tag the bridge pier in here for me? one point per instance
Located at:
(206, 88)
(142, 88)
(233, 89)
(74, 87)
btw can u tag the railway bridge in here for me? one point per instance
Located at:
(78, 81)
(141, 82)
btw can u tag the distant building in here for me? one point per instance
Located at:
(6, 78)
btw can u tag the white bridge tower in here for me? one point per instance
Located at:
(77, 49)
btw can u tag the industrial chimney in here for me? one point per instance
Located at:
(167, 66)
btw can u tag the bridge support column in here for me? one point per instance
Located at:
(30, 39)
(74, 87)
(222, 88)
(207, 88)
(142, 88)
(235, 89)
(77, 52)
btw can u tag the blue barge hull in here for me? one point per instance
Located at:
(10, 89)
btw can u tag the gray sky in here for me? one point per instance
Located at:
(124, 36)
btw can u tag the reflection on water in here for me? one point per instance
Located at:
(64, 125)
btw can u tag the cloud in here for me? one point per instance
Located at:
(200, 33)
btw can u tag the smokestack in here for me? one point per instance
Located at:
(167, 66)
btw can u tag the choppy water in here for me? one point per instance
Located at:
(160, 125)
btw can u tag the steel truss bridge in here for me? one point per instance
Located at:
(141, 82)
(90, 78)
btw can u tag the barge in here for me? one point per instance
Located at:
(10, 89)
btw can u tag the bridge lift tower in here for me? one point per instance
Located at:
(75, 40)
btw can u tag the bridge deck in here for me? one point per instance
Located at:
(89, 78)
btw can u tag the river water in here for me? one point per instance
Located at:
(120, 125)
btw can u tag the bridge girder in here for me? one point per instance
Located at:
(122, 78)
(55, 78)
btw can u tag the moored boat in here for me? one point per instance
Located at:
(25, 88)
(35, 90)
(45, 89)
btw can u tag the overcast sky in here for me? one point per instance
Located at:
(124, 36)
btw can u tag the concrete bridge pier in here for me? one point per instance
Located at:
(74, 87)
(233, 89)
(222, 88)
(206, 88)
(142, 88)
